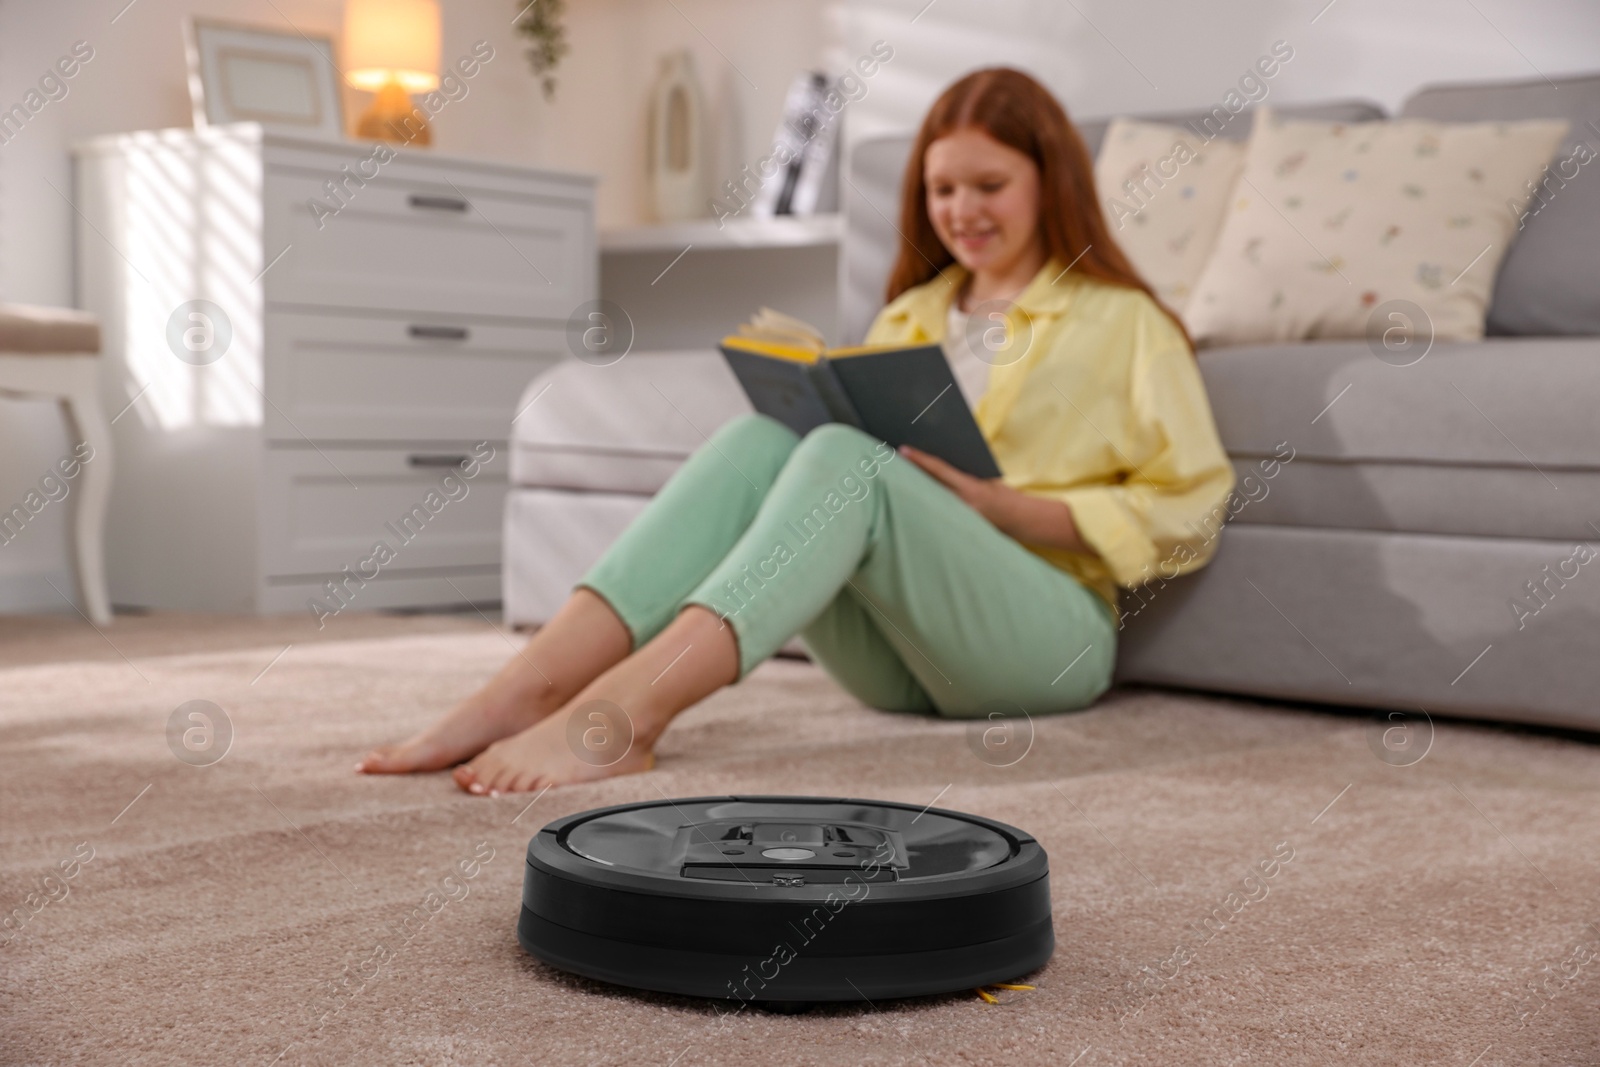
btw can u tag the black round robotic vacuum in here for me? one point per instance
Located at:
(787, 900)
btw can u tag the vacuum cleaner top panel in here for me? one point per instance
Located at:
(787, 841)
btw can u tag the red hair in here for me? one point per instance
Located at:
(1017, 111)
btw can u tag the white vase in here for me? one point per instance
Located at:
(676, 154)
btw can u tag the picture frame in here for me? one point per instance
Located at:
(286, 81)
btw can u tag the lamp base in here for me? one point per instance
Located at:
(393, 117)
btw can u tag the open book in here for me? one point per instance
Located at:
(904, 395)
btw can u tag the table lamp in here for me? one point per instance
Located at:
(391, 48)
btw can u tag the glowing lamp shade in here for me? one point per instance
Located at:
(391, 48)
(392, 41)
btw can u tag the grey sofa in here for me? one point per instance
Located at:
(1383, 566)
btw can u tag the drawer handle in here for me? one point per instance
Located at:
(423, 459)
(438, 203)
(439, 333)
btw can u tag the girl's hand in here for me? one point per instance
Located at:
(983, 495)
(1033, 520)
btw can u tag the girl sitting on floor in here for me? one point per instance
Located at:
(926, 590)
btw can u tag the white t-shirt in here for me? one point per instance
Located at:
(971, 373)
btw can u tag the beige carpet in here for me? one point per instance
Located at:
(229, 913)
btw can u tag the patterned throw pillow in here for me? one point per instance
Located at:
(1331, 222)
(1164, 193)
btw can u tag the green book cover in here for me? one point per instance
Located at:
(900, 395)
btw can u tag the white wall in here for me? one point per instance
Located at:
(136, 80)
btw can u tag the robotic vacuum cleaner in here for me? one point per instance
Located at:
(787, 900)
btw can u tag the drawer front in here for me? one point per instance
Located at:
(324, 510)
(389, 378)
(440, 246)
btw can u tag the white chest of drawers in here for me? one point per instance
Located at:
(378, 331)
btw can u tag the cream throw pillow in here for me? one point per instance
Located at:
(1332, 220)
(1165, 192)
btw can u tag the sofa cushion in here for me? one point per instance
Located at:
(1549, 282)
(1462, 442)
(1494, 402)
(1164, 193)
(1461, 500)
(622, 428)
(1335, 225)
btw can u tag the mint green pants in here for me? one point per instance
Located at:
(911, 600)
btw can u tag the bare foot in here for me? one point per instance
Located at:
(586, 741)
(500, 709)
(592, 737)
(582, 641)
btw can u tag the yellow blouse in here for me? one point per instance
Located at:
(1103, 410)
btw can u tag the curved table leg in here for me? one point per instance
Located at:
(89, 426)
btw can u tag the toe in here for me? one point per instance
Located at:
(494, 777)
(522, 783)
(466, 776)
(484, 775)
